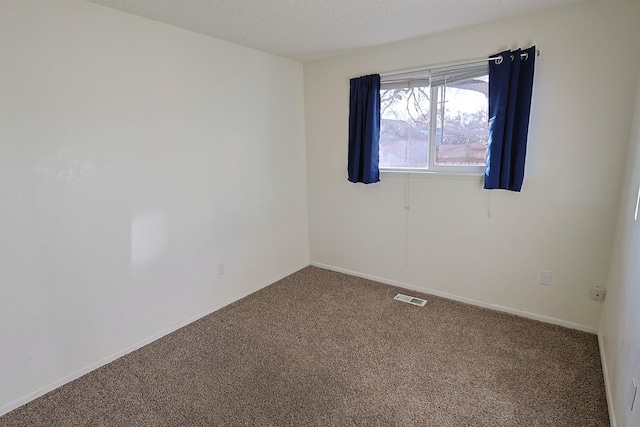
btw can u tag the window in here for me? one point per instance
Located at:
(435, 120)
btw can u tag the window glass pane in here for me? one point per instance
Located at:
(404, 127)
(463, 132)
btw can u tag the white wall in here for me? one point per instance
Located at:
(562, 221)
(135, 156)
(620, 323)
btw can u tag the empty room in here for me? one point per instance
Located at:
(319, 213)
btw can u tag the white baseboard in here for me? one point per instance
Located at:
(77, 374)
(478, 303)
(80, 372)
(607, 383)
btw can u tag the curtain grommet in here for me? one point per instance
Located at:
(498, 60)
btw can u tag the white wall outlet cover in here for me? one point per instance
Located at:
(597, 294)
(545, 277)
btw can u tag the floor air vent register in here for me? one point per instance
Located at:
(411, 300)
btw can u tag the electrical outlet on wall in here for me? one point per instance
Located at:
(545, 277)
(220, 268)
(597, 293)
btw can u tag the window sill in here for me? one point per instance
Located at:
(414, 173)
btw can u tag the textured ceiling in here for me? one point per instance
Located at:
(311, 29)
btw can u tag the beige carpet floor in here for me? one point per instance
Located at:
(320, 348)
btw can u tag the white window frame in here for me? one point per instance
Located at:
(436, 78)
